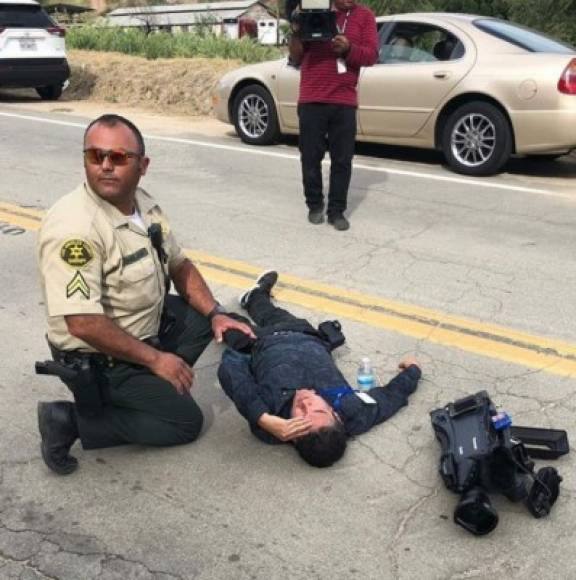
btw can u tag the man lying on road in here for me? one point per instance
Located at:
(287, 386)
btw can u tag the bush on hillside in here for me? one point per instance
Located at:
(164, 45)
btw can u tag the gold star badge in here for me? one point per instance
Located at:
(76, 253)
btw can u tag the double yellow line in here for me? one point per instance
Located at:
(497, 342)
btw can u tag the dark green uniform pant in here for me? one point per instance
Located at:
(144, 408)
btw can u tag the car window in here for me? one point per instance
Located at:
(523, 37)
(14, 16)
(412, 42)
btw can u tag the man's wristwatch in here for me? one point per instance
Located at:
(218, 309)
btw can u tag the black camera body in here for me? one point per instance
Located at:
(482, 453)
(315, 18)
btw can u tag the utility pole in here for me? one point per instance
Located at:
(277, 22)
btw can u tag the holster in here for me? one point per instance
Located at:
(81, 373)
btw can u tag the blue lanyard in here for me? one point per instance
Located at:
(334, 395)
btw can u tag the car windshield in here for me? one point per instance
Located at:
(523, 37)
(15, 16)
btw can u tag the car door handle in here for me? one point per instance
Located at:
(441, 74)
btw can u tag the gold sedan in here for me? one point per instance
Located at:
(478, 89)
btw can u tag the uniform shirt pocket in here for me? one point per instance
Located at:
(139, 284)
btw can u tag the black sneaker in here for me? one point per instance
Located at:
(58, 429)
(266, 282)
(316, 216)
(339, 222)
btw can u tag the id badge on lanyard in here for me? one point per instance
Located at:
(340, 63)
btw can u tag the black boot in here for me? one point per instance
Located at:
(58, 429)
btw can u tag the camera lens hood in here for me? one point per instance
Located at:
(475, 513)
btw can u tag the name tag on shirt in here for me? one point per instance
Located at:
(341, 66)
(365, 398)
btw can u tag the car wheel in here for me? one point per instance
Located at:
(49, 92)
(254, 115)
(477, 139)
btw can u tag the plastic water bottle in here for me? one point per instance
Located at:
(365, 378)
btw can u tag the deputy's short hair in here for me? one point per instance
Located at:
(111, 120)
(324, 447)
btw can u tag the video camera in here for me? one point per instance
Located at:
(315, 18)
(482, 452)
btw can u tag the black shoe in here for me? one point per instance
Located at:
(316, 216)
(58, 430)
(339, 222)
(266, 282)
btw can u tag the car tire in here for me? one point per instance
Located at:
(477, 139)
(50, 92)
(255, 117)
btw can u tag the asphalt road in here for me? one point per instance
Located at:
(474, 276)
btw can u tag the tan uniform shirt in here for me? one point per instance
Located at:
(94, 260)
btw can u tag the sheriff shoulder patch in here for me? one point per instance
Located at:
(78, 284)
(76, 253)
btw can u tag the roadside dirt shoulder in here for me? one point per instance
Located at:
(171, 96)
(173, 86)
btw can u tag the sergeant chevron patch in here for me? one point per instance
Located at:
(78, 284)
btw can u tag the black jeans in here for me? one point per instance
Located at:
(142, 407)
(322, 127)
(268, 318)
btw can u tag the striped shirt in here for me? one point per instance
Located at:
(320, 81)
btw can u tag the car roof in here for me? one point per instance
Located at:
(454, 17)
(16, 2)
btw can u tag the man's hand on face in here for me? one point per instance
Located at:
(340, 44)
(408, 361)
(285, 429)
(174, 370)
(221, 323)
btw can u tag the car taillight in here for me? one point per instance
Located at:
(567, 82)
(56, 31)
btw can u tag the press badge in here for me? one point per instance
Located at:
(341, 66)
(365, 398)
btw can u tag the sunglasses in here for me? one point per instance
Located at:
(115, 156)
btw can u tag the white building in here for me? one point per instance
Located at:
(231, 19)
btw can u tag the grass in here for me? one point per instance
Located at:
(164, 45)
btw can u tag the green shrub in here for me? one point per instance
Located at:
(164, 45)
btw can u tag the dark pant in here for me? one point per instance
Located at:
(268, 317)
(323, 127)
(142, 407)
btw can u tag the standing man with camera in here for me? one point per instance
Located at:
(329, 71)
(123, 346)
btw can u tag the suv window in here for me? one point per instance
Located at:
(410, 42)
(14, 16)
(523, 37)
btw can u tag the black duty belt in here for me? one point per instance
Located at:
(77, 357)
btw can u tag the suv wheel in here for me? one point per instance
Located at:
(49, 92)
(477, 139)
(255, 117)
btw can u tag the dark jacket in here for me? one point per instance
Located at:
(281, 363)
